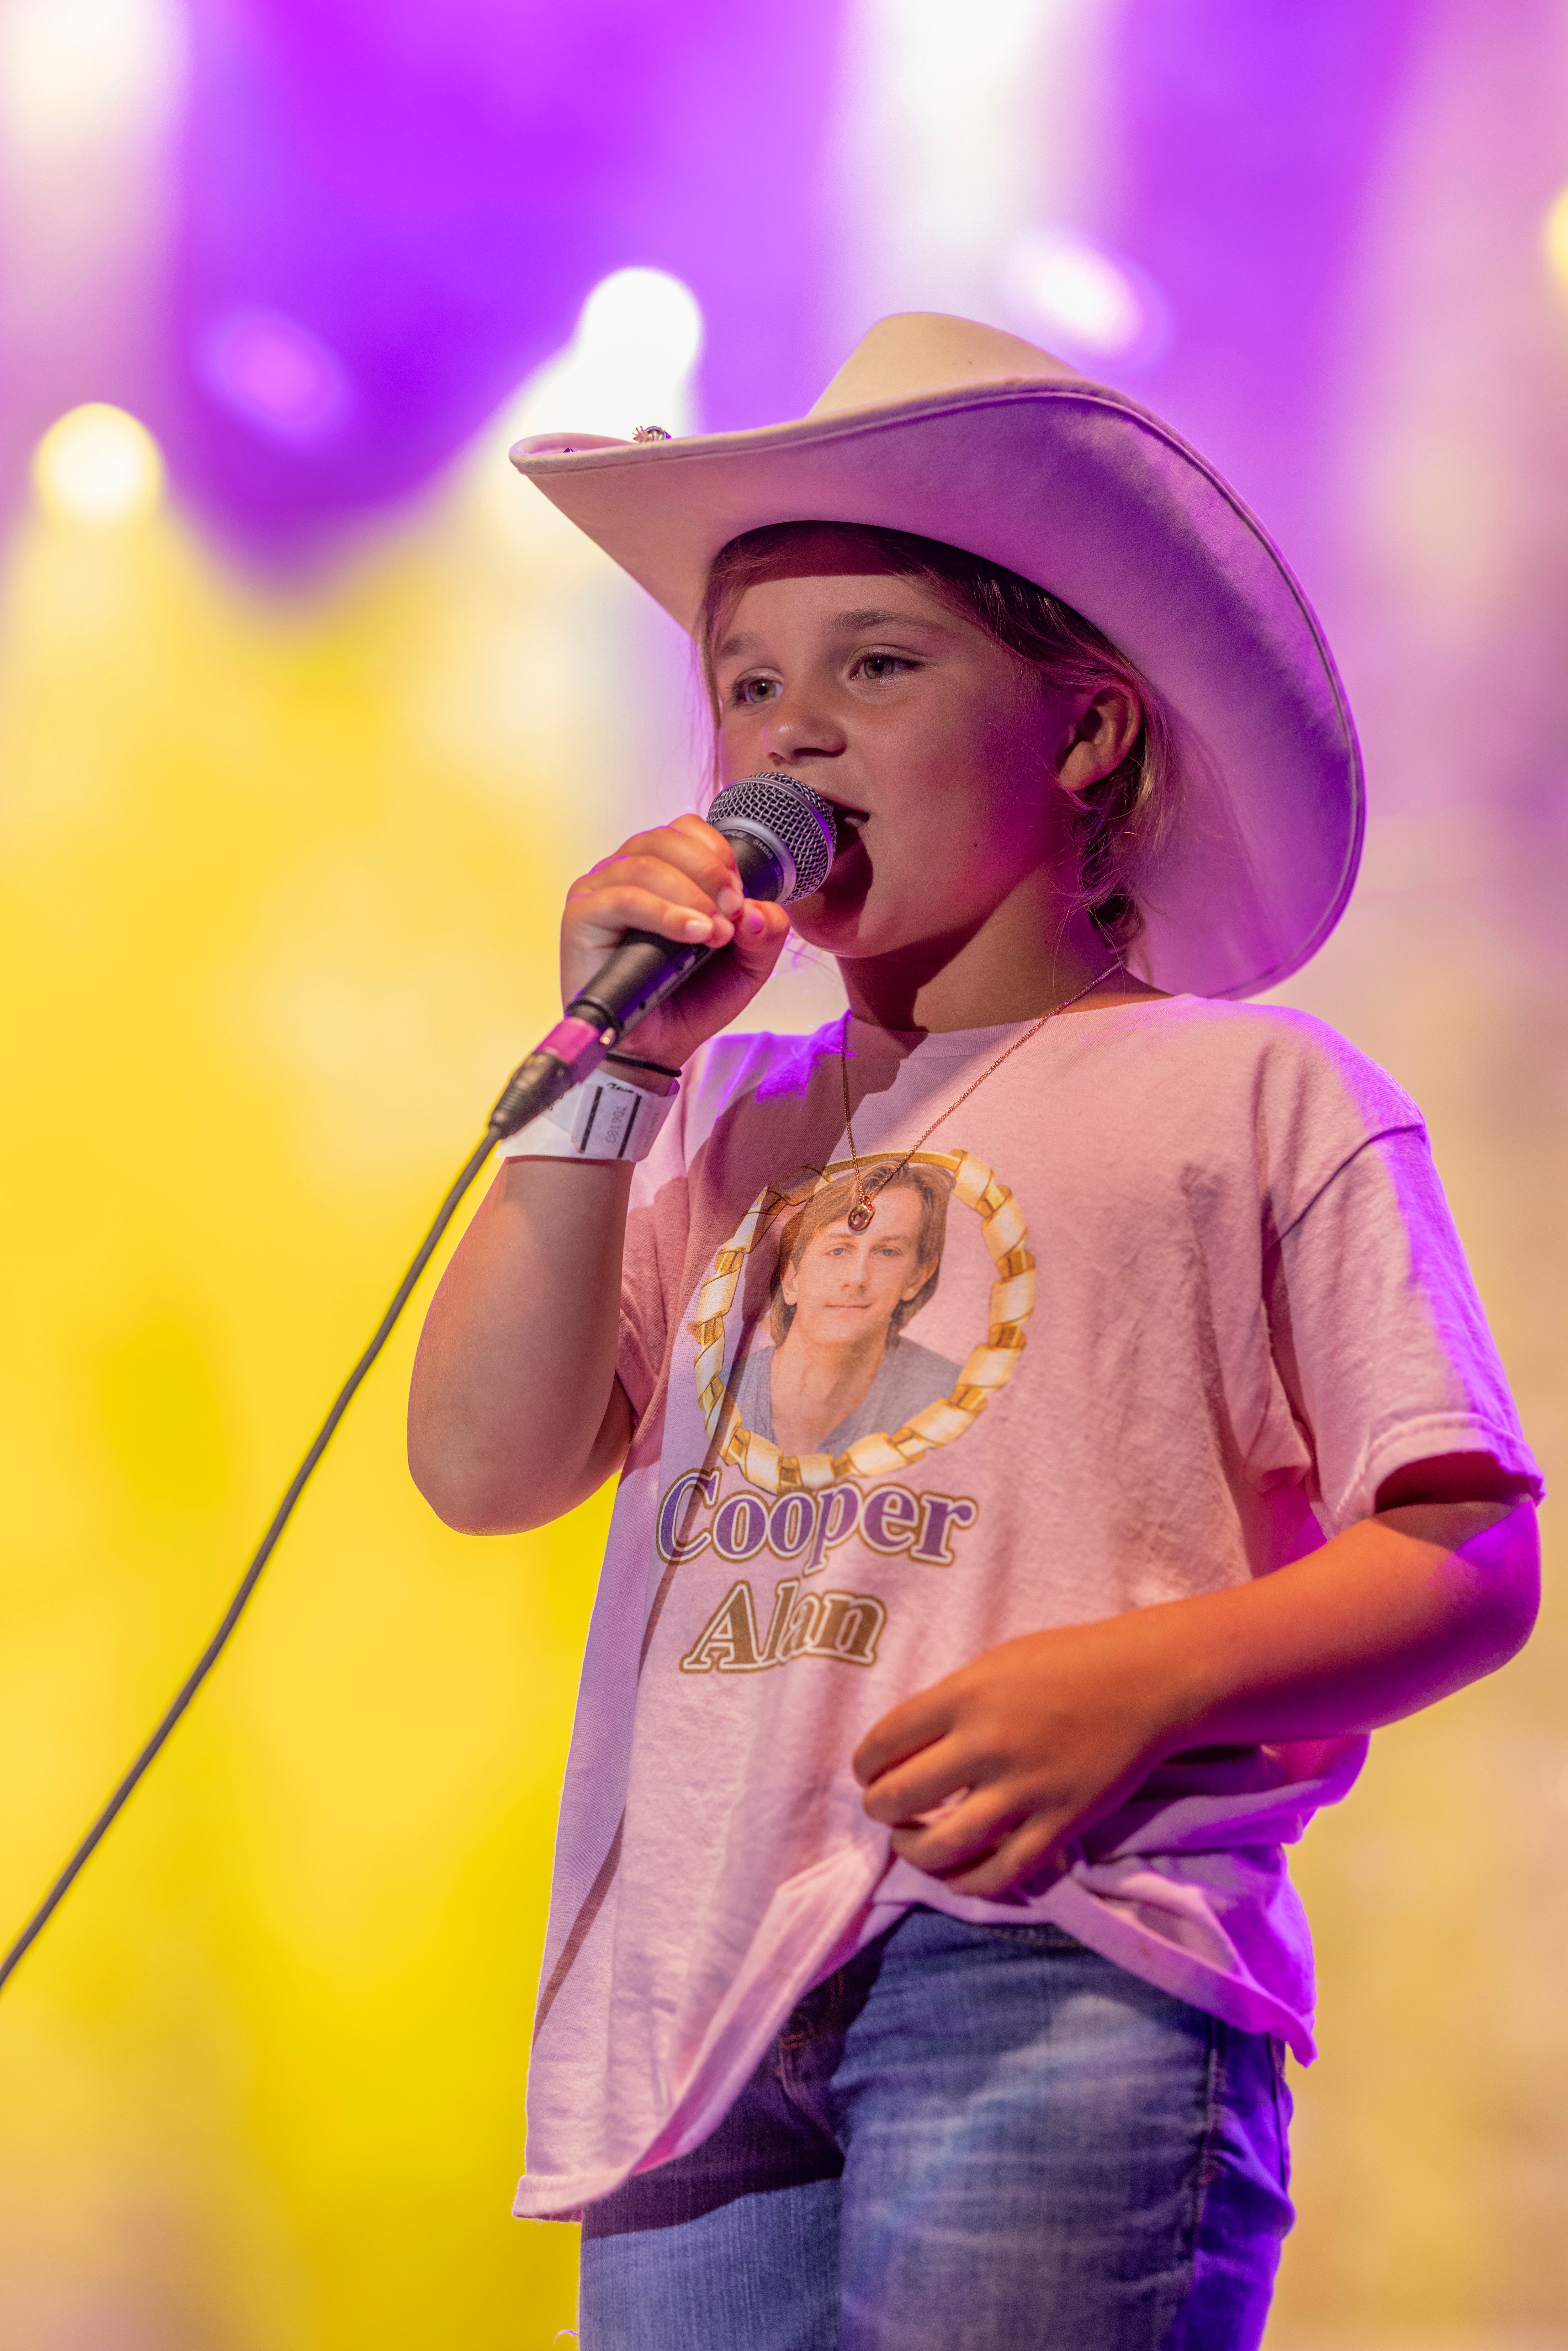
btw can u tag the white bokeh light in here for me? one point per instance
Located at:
(1554, 238)
(1070, 290)
(629, 362)
(73, 73)
(952, 133)
(98, 464)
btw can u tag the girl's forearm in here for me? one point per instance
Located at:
(992, 1772)
(1396, 1611)
(515, 1413)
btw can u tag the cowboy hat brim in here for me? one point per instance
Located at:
(1078, 488)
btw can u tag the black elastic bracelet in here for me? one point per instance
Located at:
(630, 1062)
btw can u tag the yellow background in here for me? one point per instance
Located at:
(280, 898)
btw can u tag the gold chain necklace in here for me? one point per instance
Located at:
(865, 1209)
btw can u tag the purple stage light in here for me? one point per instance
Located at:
(1247, 139)
(392, 215)
(275, 375)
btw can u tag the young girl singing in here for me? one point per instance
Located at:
(1054, 1418)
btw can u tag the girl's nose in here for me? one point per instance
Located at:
(798, 729)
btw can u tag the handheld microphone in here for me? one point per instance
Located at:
(784, 838)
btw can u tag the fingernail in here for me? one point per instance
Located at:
(728, 900)
(752, 923)
(698, 927)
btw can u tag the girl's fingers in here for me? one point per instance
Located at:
(692, 848)
(902, 1733)
(642, 863)
(760, 931)
(1034, 1852)
(697, 883)
(654, 874)
(983, 1848)
(599, 921)
(961, 1836)
(919, 1783)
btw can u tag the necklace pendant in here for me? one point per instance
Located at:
(859, 1216)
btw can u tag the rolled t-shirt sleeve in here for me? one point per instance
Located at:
(1378, 1333)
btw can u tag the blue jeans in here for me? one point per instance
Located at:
(971, 2139)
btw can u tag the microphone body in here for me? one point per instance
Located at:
(784, 839)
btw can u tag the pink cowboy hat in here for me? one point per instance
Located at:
(960, 432)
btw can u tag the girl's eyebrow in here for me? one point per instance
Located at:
(868, 616)
(871, 617)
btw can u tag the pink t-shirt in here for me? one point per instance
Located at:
(1154, 1309)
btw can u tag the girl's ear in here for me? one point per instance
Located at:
(1105, 731)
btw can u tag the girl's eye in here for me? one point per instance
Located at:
(750, 691)
(877, 666)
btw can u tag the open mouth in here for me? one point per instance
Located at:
(847, 822)
(847, 825)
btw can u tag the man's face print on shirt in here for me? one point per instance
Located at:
(841, 1299)
(828, 1380)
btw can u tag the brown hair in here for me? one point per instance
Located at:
(1123, 820)
(834, 1200)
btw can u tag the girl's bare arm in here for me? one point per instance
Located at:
(1048, 1733)
(516, 1413)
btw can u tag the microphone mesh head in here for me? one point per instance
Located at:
(800, 819)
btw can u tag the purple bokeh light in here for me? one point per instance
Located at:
(405, 207)
(274, 374)
(1248, 141)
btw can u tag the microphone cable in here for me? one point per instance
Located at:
(783, 838)
(493, 1133)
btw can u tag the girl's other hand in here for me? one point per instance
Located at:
(678, 881)
(987, 1778)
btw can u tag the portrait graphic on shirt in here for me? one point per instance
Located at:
(830, 1381)
(835, 1363)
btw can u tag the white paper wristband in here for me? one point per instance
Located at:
(603, 1118)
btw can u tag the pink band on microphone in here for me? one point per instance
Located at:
(578, 1044)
